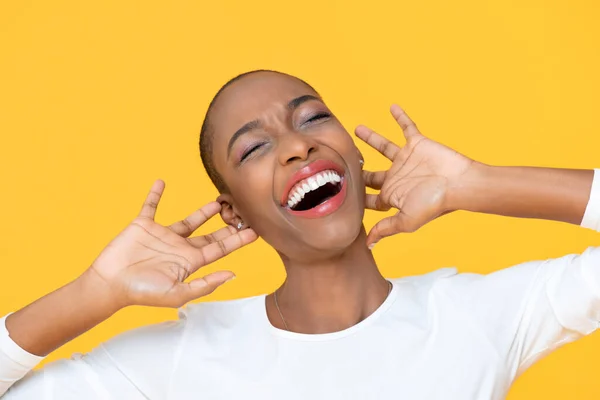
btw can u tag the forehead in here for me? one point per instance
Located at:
(251, 97)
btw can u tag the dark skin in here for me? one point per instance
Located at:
(332, 279)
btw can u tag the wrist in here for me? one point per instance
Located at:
(463, 191)
(98, 293)
(62, 315)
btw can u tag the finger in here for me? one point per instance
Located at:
(374, 180)
(201, 241)
(185, 292)
(399, 223)
(378, 142)
(152, 200)
(187, 226)
(373, 202)
(221, 248)
(386, 227)
(408, 126)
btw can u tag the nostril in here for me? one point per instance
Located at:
(300, 157)
(292, 159)
(295, 148)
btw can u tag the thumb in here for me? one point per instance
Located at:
(387, 227)
(188, 291)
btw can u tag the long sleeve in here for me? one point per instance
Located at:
(529, 310)
(135, 365)
(15, 362)
(591, 218)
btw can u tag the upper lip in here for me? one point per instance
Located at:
(308, 171)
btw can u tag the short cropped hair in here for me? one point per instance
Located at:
(206, 132)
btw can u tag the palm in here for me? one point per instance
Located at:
(147, 264)
(417, 181)
(421, 172)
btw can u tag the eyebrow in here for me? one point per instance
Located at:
(249, 126)
(295, 103)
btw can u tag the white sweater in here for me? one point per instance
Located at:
(441, 335)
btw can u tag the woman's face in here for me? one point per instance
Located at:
(292, 169)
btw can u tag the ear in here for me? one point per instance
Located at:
(360, 156)
(228, 213)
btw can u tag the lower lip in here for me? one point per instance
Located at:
(327, 207)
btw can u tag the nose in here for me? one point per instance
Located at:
(295, 147)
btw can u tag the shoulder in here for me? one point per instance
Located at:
(494, 301)
(517, 279)
(155, 336)
(166, 337)
(222, 315)
(472, 287)
(149, 355)
(428, 280)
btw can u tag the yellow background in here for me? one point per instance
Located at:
(97, 99)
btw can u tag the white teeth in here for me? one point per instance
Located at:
(312, 183)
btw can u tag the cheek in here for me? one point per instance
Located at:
(340, 141)
(254, 193)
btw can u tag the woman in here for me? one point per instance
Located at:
(288, 171)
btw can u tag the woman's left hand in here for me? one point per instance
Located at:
(417, 183)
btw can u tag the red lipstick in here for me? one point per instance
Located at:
(328, 206)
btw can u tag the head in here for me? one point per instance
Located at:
(266, 138)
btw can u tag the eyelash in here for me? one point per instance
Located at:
(251, 150)
(259, 145)
(317, 117)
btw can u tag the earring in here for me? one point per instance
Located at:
(361, 162)
(240, 225)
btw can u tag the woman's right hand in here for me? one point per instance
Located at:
(148, 263)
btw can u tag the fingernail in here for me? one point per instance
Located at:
(230, 279)
(372, 245)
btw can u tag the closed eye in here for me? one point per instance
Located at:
(317, 117)
(251, 150)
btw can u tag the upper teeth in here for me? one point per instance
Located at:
(309, 184)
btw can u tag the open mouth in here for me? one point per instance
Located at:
(315, 190)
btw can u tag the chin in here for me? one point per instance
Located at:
(327, 216)
(337, 233)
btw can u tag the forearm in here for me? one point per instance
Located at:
(526, 192)
(62, 315)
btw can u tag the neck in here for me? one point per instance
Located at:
(329, 295)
